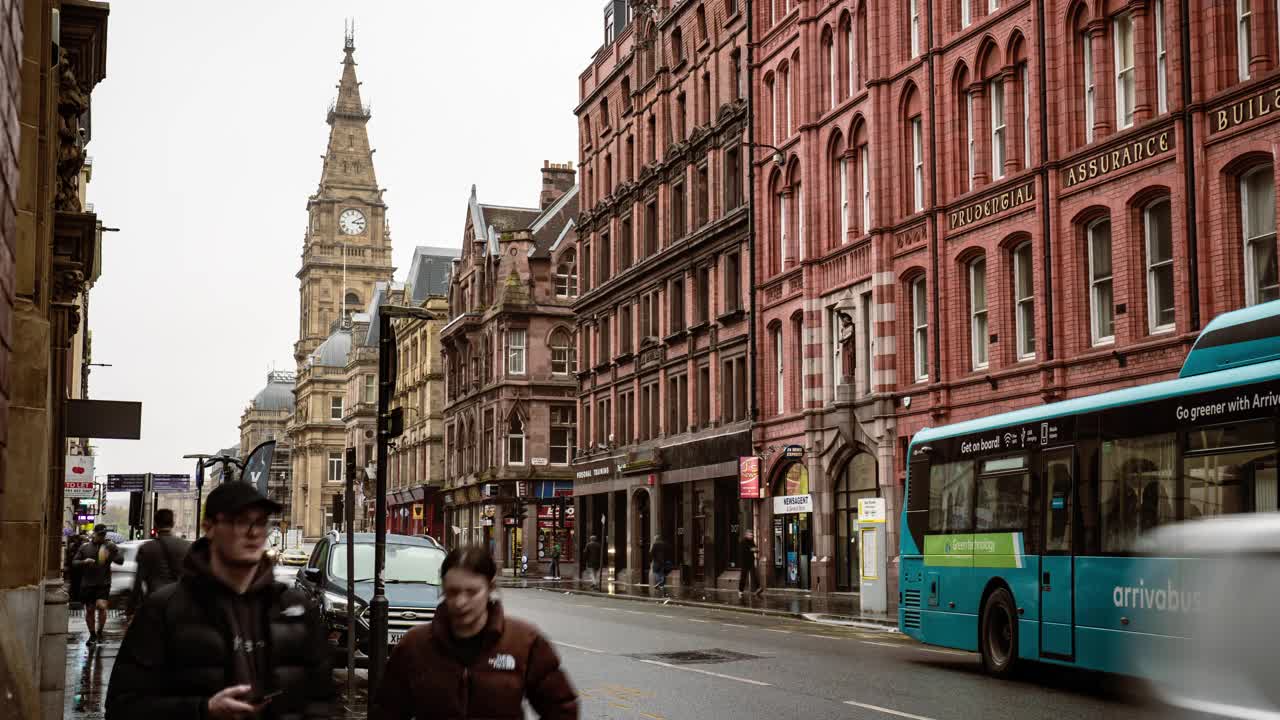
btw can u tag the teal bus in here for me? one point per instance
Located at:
(1023, 534)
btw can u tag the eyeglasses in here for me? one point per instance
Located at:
(246, 523)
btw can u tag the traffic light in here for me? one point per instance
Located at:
(521, 513)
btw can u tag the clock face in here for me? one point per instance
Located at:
(351, 221)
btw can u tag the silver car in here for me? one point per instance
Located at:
(122, 575)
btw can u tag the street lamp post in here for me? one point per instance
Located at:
(204, 460)
(390, 425)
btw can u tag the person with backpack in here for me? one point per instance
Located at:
(159, 560)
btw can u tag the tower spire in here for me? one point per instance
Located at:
(348, 161)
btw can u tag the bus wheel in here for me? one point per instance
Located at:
(999, 634)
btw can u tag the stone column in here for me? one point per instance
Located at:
(981, 134)
(1144, 56)
(1013, 114)
(1103, 79)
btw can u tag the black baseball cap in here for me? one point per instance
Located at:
(232, 497)
(99, 528)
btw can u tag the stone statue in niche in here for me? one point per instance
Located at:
(72, 103)
(848, 354)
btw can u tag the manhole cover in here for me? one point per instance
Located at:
(697, 657)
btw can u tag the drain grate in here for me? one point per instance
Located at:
(697, 657)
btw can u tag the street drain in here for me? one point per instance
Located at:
(697, 657)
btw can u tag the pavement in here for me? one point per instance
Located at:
(647, 661)
(831, 607)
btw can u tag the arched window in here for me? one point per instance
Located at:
(567, 275)
(840, 184)
(1024, 301)
(966, 140)
(771, 105)
(677, 46)
(784, 76)
(515, 440)
(861, 69)
(1084, 62)
(780, 384)
(1258, 220)
(778, 223)
(919, 327)
(978, 313)
(564, 356)
(829, 65)
(797, 212)
(848, 56)
(352, 302)
(863, 174)
(913, 121)
(1157, 230)
(1102, 325)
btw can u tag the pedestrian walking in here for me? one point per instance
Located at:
(659, 561)
(159, 560)
(591, 560)
(73, 571)
(555, 558)
(747, 562)
(226, 640)
(94, 559)
(472, 660)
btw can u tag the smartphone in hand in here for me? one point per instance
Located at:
(257, 697)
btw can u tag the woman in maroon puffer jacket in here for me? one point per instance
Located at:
(472, 661)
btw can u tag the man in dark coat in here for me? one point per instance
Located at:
(747, 562)
(591, 560)
(160, 561)
(659, 557)
(227, 640)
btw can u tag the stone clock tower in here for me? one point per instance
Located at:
(348, 245)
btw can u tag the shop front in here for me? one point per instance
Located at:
(792, 531)
(855, 482)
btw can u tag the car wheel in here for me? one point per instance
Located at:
(998, 634)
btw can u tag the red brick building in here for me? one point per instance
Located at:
(663, 256)
(975, 208)
(510, 394)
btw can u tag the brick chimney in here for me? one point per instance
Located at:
(557, 179)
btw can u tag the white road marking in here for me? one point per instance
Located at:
(635, 612)
(707, 672)
(922, 649)
(732, 625)
(823, 637)
(584, 649)
(887, 711)
(697, 620)
(784, 632)
(669, 617)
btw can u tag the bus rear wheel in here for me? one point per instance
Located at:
(998, 634)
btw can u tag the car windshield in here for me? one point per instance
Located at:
(405, 563)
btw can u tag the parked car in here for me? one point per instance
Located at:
(122, 575)
(412, 577)
(295, 557)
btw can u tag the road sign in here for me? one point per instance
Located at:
(126, 483)
(170, 483)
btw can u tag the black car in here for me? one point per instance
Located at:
(412, 579)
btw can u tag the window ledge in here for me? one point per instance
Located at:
(700, 327)
(623, 357)
(730, 315)
(602, 366)
(674, 337)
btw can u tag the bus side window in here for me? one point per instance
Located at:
(1058, 505)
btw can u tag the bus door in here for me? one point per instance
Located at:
(1057, 567)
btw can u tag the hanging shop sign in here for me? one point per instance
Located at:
(78, 480)
(749, 477)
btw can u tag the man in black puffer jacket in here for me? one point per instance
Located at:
(226, 641)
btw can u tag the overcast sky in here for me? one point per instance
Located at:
(207, 137)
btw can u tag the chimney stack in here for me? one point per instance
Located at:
(557, 179)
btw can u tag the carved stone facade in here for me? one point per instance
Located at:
(48, 256)
(509, 359)
(346, 255)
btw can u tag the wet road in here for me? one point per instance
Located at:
(654, 662)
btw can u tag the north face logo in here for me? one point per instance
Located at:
(502, 662)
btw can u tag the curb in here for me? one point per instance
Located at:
(765, 612)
